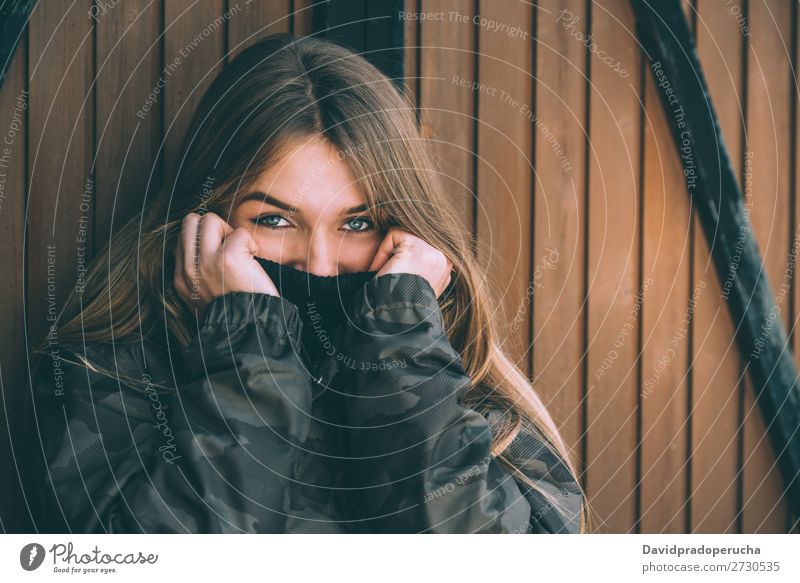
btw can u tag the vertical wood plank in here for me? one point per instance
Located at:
(130, 96)
(251, 21)
(60, 149)
(447, 109)
(14, 101)
(667, 318)
(60, 202)
(381, 37)
(560, 215)
(768, 138)
(198, 58)
(302, 17)
(504, 168)
(412, 52)
(716, 366)
(615, 293)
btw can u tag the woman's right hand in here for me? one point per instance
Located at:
(212, 258)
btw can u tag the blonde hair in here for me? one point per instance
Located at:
(278, 90)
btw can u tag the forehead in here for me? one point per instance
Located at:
(311, 175)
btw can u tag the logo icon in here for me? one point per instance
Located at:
(31, 556)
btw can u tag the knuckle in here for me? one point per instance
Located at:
(231, 240)
(244, 234)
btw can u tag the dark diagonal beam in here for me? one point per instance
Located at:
(671, 57)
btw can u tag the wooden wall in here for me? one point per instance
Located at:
(628, 338)
(561, 165)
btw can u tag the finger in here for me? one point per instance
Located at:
(178, 256)
(238, 241)
(213, 230)
(189, 240)
(178, 278)
(385, 249)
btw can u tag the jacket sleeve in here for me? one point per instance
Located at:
(219, 455)
(420, 459)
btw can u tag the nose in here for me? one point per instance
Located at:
(321, 255)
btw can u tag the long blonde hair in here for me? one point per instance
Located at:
(277, 90)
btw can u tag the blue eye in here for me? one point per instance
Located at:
(359, 224)
(270, 221)
(355, 225)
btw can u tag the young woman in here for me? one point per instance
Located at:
(295, 336)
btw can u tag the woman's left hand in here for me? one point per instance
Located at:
(402, 252)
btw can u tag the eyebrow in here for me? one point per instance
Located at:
(269, 199)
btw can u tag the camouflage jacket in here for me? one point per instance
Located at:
(372, 437)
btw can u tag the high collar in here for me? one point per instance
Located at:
(322, 301)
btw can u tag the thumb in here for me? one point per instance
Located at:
(385, 250)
